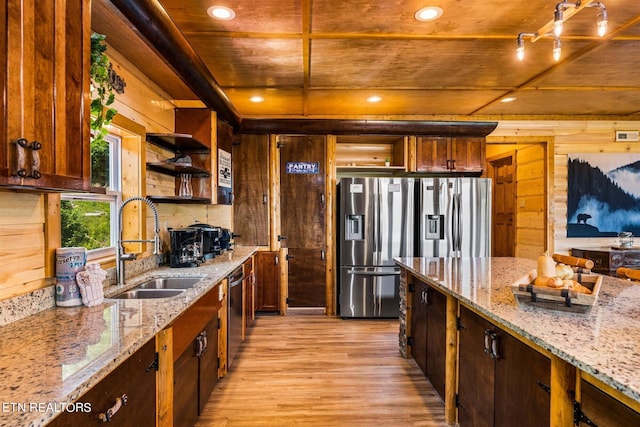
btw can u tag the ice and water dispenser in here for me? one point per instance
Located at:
(354, 227)
(433, 227)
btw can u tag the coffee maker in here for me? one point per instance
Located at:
(210, 239)
(186, 247)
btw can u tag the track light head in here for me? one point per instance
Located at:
(557, 49)
(602, 20)
(558, 20)
(520, 48)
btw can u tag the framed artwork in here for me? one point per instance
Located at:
(603, 194)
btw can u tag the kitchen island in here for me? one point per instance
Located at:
(601, 348)
(52, 358)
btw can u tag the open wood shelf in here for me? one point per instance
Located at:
(176, 169)
(178, 142)
(180, 200)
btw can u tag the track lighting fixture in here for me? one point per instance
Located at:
(557, 44)
(557, 49)
(557, 24)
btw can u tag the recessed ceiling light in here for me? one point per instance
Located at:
(221, 12)
(508, 99)
(374, 98)
(429, 13)
(256, 99)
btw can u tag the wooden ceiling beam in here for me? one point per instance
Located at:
(159, 31)
(365, 127)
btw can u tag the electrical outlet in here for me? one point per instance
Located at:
(627, 136)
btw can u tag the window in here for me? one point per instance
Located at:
(90, 219)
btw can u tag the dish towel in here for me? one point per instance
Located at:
(90, 283)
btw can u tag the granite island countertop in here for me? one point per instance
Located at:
(604, 343)
(52, 358)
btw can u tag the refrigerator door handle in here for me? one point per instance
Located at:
(373, 273)
(456, 223)
(376, 220)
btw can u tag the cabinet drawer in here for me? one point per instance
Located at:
(191, 322)
(135, 380)
(604, 410)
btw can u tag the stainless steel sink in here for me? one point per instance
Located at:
(169, 283)
(149, 293)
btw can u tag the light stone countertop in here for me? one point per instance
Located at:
(55, 356)
(604, 343)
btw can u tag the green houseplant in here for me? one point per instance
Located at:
(102, 94)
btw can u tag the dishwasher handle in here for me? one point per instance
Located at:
(236, 277)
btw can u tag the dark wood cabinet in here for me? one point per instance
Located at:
(135, 378)
(208, 361)
(451, 155)
(267, 281)
(307, 284)
(303, 217)
(195, 358)
(45, 119)
(501, 380)
(603, 410)
(436, 339)
(185, 389)
(251, 190)
(428, 333)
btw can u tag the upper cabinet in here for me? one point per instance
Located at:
(464, 155)
(251, 190)
(44, 128)
(371, 152)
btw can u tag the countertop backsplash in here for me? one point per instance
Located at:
(13, 309)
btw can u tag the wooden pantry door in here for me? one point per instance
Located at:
(303, 210)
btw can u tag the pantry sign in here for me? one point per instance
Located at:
(303, 167)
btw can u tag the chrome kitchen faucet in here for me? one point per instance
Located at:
(121, 256)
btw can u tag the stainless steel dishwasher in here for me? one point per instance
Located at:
(234, 314)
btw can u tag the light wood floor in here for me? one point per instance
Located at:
(314, 370)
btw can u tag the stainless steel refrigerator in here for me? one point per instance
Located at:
(454, 217)
(376, 224)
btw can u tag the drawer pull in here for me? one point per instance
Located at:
(105, 417)
(201, 344)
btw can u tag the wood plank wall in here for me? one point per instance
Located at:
(22, 243)
(23, 216)
(587, 141)
(530, 195)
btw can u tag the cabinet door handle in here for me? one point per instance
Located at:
(322, 199)
(487, 341)
(323, 256)
(276, 260)
(106, 416)
(21, 157)
(201, 344)
(35, 160)
(264, 199)
(495, 354)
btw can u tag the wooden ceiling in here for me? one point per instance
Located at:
(324, 58)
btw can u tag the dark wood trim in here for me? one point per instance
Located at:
(365, 127)
(157, 29)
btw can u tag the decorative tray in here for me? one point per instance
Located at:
(528, 294)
